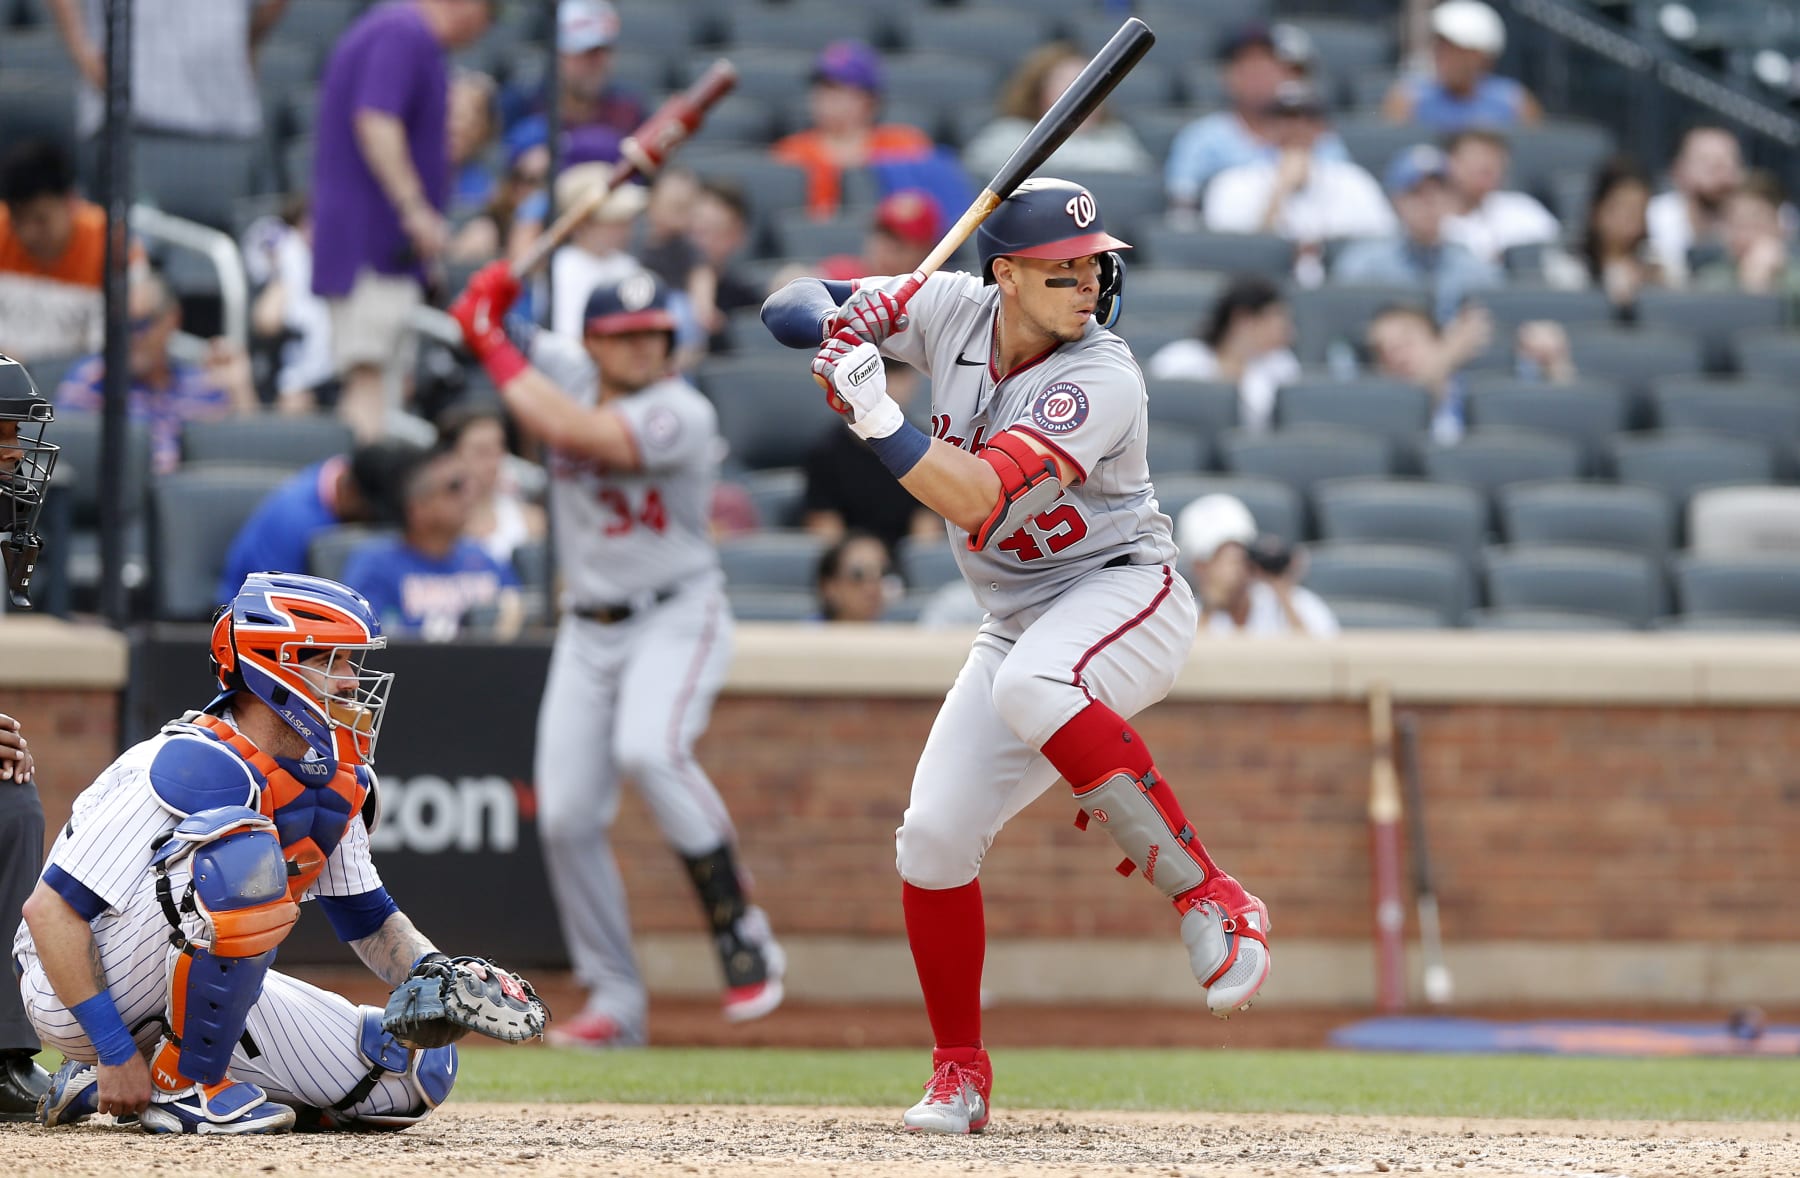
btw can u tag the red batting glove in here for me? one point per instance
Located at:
(481, 313)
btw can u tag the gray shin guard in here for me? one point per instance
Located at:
(1124, 805)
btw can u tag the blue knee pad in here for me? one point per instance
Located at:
(233, 914)
(429, 1074)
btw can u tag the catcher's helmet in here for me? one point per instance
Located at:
(1050, 218)
(26, 461)
(276, 622)
(637, 302)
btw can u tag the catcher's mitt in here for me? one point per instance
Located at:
(444, 998)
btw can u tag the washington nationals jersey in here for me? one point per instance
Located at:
(625, 533)
(1084, 400)
(106, 848)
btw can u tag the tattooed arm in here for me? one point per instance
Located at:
(390, 950)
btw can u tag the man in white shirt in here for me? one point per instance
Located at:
(1245, 587)
(1488, 220)
(1297, 195)
(1707, 170)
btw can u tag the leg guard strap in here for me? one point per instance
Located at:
(429, 1076)
(1127, 806)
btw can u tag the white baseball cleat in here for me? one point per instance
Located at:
(1226, 930)
(955, 1100)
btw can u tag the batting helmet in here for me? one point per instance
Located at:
(26, 461)
(1050, 218)
(637, 302)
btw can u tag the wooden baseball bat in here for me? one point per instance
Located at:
(1089, 89)
(1437, 984)
(642, 154)
(1384, 852)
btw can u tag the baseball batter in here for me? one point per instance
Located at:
(645, 637)
(153, 927)
(1037, 463)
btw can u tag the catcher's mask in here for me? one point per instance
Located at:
(26, 461)
(298, 643)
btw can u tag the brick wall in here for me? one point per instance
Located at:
(73, 733)
(1569, 823)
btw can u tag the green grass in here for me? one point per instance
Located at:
(1235, 1081)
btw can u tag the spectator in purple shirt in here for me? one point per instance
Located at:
(381, 183)
(165, 393)
(432, 581)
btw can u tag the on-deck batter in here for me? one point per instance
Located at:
(1038, 465)
(645, 638)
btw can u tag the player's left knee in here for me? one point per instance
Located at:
(1030, 702)
(425, 1077)
(646, 756)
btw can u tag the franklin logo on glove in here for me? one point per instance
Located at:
(862, 373)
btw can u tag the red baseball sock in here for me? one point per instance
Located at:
(1095, 742)
(948, 935)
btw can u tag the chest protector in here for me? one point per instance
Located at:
(310, 813)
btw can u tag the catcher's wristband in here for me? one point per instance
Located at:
(434, 956)
(100, 1021)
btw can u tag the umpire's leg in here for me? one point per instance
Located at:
(21, 857)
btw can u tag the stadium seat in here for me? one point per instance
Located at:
(1275, 506)
(1768, 353)
(1425, 578)
(750, 340)
(1177, 449)
(1207, 405)
(666, 30)
(37, 104)
(1557, 145)
(947, 76)
(1586, 412)
(1345, 47)
(1356, 614)
(1623, 585)
(1742, 521)
(771, 560)
(1391, 408)
(330, 550)
(738, 119)
(1712, 315)
(1163, 245)
(1633, 357)
(927, 565)
(1596, 515)
(1150, 333)
(1489, 459)
(1340, 314)
(777, 495)
(1525, 618)
(798, 235)
(1753, 586)
(1189, 38)
(1514, 304)
(773, 605)
(37, 48)
(1157, 126)
(1005, 37)
(1373, 142)
(767, 73)
(1402, 511)
(1678, 463)
(315, 23)
(196, 178)
(195, 515)
(77, 476)
(1172, 291)
(759, 405)
(1305, 455)
(807, 25)
(1756, 410)
(275, 439)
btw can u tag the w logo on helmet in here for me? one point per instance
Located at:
(1081, 209)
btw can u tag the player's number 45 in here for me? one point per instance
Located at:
(1049, 531)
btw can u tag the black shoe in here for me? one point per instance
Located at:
(22, 1085)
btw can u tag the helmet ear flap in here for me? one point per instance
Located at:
(224, 651)
(1111, 302)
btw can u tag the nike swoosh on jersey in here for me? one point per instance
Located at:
(960, 359)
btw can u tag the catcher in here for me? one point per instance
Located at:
(145, 951)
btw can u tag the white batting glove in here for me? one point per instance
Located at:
(859, 380)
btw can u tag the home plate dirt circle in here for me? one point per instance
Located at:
(725, 1142)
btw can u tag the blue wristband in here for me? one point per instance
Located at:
(901, 450)
(99, 1018)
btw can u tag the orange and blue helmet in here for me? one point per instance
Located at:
(269, 640)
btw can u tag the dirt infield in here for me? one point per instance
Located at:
(714, 1142)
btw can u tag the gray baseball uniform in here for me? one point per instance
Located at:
(1083, 601)
(629, 697)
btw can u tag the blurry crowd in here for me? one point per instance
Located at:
(426, 157)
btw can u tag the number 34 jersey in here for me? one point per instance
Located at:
(624, 533)
(1084, 400)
